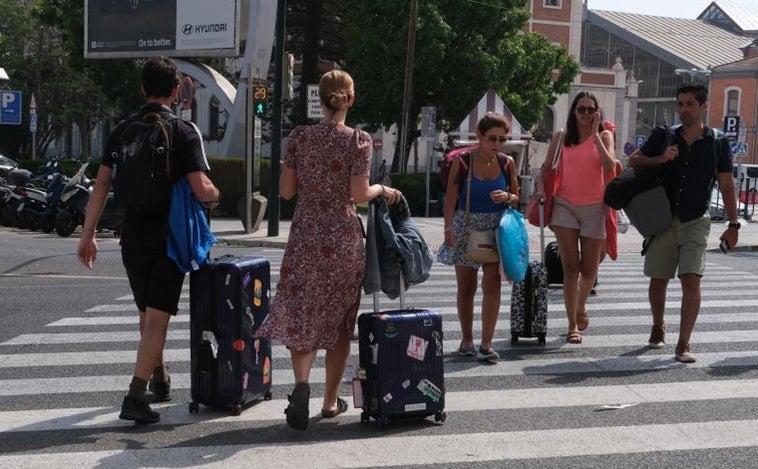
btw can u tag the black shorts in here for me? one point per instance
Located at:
(155, 280)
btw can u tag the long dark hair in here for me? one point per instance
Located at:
(572, 128)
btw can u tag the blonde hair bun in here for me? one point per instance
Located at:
(336, 89)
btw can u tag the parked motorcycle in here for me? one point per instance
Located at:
(53, 202)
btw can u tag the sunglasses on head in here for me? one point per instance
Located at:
(586, 110)
(495, 139)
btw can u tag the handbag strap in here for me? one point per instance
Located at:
(468, 188)
(558, 153)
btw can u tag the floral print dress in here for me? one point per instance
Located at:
(318, 294)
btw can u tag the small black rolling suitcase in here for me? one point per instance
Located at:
(529, 298)
(229, 299)
(401, 372)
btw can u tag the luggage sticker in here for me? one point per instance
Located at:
(415, 407)
(230, 304)
(437, 342)
(390, 331)
(257, 292)
(417, 347)
(429, 390)
(406, 383)
(387, 398)
(228, 280)
(266, 370)
(374, 353)
(244, 380)
(257, 347)
(250, 315)
(428, 323)
(246, 280)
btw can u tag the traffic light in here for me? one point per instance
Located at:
(288, 76)
(260, 100)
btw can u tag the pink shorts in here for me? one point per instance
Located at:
(588, 219)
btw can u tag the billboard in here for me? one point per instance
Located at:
(175, 28)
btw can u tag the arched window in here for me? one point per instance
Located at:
(732, 101)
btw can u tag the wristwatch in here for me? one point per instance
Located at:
(734, 224)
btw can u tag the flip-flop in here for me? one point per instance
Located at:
(297, 410)
(331, 413)
(574, 337)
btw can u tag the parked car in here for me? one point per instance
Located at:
(6, 165)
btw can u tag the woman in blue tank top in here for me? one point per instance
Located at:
(494, 186)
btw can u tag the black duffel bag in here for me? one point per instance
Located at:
(630, 182)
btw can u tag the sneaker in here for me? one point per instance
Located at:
(487, 355)
(161, 389)
(684, 354)
(657, 336)
(138, 410)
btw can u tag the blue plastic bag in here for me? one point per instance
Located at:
(513, 244)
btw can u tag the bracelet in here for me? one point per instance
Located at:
(382, 186)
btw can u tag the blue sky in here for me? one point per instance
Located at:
(672, 8)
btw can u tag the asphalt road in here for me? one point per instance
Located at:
(66, 354)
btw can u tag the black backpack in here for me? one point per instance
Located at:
(142, 180)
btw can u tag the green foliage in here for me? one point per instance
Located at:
(413, 187)
(463, 48)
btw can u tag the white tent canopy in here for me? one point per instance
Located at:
(490, 102)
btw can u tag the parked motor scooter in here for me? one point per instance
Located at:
(74, 198)
(33, 205)
(53, 202)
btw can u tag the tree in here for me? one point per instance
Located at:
(463, 48)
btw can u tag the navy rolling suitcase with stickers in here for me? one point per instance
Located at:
(529, 298)
(401, 369)
(229, 299)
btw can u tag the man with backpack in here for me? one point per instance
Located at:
(146, 154)
(695, 157)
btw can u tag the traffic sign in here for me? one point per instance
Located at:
(639, 140)
(628, 148)
(731, 126)
(378, 144)
(738, 149)
(10, 107)
(33, 122)
(314, 103)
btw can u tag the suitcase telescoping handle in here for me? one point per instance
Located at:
(542, 227)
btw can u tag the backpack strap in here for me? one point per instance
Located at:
(465, 158)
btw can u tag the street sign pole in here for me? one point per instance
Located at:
(33, 125)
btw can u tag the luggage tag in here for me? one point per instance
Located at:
(358, 388)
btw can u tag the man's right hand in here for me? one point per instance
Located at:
(87, 250)
(672, 151)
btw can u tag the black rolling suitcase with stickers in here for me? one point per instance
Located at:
(229, 299)
(529, 298)
(401, 373)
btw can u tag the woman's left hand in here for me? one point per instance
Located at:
(501, 197)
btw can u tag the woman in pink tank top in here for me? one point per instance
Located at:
(578, 215)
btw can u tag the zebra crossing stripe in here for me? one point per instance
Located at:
(453, 369)
(407, 450)
(463, 401)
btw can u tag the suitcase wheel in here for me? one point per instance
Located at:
(514, 338)
(194, 407)
(383, 422)
(541, 339)
(365, 418)
(236, 410)
(267, 396)
(440, 416)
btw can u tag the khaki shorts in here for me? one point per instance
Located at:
(588, 219)
(682, 245)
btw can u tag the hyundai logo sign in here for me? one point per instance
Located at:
(187, 29)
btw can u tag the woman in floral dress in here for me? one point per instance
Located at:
(318, 294)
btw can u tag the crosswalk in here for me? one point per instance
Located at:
(607, 402)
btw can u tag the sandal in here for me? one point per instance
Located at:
(574, 337)
(331, 413)
(297, 410)
(466, 351)
(582, 320)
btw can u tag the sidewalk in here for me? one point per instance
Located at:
(231, 231)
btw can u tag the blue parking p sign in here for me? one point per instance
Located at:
(639, 140)
(10, 107)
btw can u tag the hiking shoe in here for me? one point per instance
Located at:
(138, 410)
(161, 389)
(657, 336)
(684, 354)
(487, 355)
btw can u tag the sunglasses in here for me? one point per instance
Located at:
(494, 139)
(586, 110)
